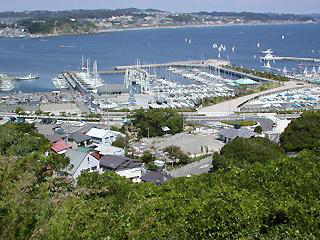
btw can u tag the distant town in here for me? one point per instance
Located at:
(52, 23)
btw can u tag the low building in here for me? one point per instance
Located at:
(229, 134)
(102, 136)
(123, 166)
(81, 162)
(61, 147)
(79, 139)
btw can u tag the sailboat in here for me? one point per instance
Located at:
(258, 45)
(319, 70)
(283, 37)
(233, 49)
(314, 71)
(268, 65)
(305, 72)
(285, 71)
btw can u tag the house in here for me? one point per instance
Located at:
(60, 147)
(228, 134)
(102, 136)
(123, 166)
(80, 162)
(156, 177)
(79, 139)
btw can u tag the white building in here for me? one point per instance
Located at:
(80, 162)
(102, 136)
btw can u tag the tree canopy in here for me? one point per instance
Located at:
(302, 133)
(263, 195)
(151, 122)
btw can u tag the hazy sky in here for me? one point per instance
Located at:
(294, 6)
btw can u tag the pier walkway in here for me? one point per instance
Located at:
(298, 59)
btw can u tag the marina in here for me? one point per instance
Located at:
(291, 100)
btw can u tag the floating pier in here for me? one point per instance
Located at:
(297, 59)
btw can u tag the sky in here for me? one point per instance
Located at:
(277, 6)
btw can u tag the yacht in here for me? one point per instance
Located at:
(6, 85)
(29, 76)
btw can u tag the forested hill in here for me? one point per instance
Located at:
(255, 191)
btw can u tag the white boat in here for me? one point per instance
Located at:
(29, 76)
(6, 85)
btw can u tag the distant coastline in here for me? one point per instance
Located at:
(165, 27)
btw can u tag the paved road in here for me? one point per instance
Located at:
(195, 168)
(232, 106)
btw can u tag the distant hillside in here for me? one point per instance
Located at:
(105, 13)
(259, 16)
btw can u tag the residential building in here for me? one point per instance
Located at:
(102, 136)
(123, 166)
(81, 162)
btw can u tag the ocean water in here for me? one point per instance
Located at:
(50, 56)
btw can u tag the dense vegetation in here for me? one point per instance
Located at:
(59, 25)
(256, 192)
(150, 123)
(302, 133)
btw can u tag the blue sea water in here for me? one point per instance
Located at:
(50, 56)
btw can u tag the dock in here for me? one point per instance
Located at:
(297, 59)
(193, 63)
(214, 64)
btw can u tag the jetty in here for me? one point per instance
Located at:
(297, 59)
(213, 64)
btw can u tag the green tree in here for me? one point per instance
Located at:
(258, 129)
(302, 133)
(147, 157)
(151, 122)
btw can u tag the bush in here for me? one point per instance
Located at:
(258, 129)
(175, 152)
(302, 133)
(147, 157)
(242, 152)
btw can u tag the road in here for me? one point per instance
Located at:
(195, 168)
(232, 106)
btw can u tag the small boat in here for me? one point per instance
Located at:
(29, 76)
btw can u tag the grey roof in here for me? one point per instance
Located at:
(112, 88)
(54, 138)
(79, 138)
(118, 162)
(76, 158)
(156, 177)
(233, 133)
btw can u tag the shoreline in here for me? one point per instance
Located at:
(36, 36)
